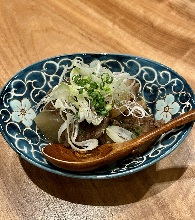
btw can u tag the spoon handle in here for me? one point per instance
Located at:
(184, 118)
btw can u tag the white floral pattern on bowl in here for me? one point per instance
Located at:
(166, 108)
(22, 112)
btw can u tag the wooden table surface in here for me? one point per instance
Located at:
(162, 30)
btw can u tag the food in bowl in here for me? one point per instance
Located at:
(92, 106)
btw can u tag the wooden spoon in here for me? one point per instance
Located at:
(69, 159)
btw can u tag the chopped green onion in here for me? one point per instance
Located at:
(104, 113)
(87, 86)
(102, 84)
(107, 78)
(108, 107)
(81, 91)
(94, 85)
(137, 130)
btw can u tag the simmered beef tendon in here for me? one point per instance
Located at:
(136, 125)
(88, 131)
(105, 139)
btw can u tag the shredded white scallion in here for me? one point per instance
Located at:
(118, 134)
(90, 93)
(132, 108)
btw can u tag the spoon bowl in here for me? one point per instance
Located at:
(71, 160)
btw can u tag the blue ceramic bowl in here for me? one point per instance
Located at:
(166, 93)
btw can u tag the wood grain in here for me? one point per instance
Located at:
(161, 30)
